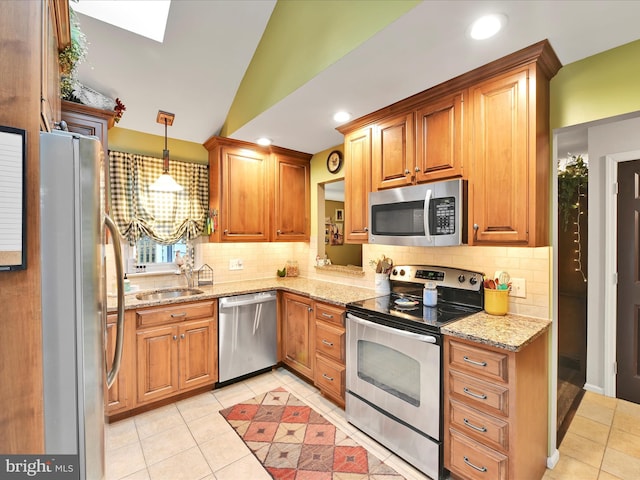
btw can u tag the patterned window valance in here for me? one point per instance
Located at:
(166, 217)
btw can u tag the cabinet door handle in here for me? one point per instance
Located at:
(407, 171)
(278, 232)
(328, 343)
(225, 231)
(178, 315)
(473, 362)
(480, 396)
(366, 229)
(327, 315)
(310, 309)
(175, 337)
(480, 469)
(417, 169)
(182, 336)
(471, 425)
(327, 377)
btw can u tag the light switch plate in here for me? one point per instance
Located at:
(236, 264)
(518, 288)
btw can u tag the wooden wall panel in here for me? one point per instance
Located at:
(21, 414)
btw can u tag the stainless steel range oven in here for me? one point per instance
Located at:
(394, 360)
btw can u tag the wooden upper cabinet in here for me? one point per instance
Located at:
(489, 126)
(245, 195)
(393, 161)
(357, 185)
(258, 192)
(56, 35)
(500, 202)
(440, 151)
(292, 198)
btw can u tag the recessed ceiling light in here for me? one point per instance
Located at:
(487, 26)
(264, 141)
(342, 116)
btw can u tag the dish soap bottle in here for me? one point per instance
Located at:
(430, 295)
(127, 284)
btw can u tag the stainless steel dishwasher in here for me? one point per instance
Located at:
(247, 338)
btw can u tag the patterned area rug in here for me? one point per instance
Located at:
(293, 441)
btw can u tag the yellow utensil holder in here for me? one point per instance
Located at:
(496, 302)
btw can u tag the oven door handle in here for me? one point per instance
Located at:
(395, 331)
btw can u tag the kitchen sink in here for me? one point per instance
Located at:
(167, 294)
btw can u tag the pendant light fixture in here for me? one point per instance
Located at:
(165, 182)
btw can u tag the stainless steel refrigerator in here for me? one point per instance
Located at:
(74, 299)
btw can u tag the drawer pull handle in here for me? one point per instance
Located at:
(481, 396)
(327, 315)
(480, 469)
(326, 342)
(473, 362)
(178, 315)
(327, 377)
(471, 425)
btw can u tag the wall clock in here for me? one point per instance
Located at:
(334, 161)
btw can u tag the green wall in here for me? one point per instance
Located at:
(303, 38)
(600, 86)
(125, 140)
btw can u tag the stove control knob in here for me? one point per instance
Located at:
(402, 273)
(395, 272)
(461, 278)
(473, 280)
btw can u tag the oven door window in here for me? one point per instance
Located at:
(390, 370)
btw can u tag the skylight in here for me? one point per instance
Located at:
(143, 17)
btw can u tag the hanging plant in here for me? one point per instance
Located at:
(70, 58)
(571, 181)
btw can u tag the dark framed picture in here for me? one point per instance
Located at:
(339, 215)
(13, 198)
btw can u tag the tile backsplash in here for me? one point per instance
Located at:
(261, 260)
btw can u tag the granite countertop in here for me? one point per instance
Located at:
(334, 293)
(511, 332)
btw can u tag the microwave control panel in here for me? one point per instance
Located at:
(442, 216)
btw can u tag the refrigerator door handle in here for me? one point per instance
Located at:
(117, 356)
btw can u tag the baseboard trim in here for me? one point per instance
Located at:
(593, 388)
(552, 461)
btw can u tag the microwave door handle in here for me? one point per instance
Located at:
(427, 201)
(394, 331)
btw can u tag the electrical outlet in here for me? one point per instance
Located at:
(236, 264)
(518, 288)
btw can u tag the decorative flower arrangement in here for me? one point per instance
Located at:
(119, 109)
(382, 265)
(70, 58)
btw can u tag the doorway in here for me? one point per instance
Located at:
(628, 282)
(572, 247)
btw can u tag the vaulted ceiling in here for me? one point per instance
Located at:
(209, 46)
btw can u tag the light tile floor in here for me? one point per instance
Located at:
(189, 439)
(602, 443)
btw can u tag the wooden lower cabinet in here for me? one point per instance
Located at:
(496, 409)
(330, 338)
(178, 356)
(297, 323)
(120, 397)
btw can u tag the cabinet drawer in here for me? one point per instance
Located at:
(473, 460)
(486, 396)
(489, 430)
(329, 376)
(174, 313)
(479, 362)
(330, 313)
(330, 340)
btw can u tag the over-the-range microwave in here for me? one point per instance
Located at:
(427, 215)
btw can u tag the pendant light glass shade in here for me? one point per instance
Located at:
(165, 182)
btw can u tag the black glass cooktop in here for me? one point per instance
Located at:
(407, 312)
